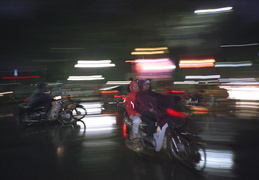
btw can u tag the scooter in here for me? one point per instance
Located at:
(31, 116)
(174, 140)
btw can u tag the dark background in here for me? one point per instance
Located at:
(48, 37)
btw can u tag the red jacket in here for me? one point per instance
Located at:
(130, 101)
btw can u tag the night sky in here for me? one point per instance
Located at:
(54, 34)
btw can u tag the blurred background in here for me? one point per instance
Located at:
(204, 53)
(92, 45)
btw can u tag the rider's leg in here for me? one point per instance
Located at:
(135, 127)
(149, 118)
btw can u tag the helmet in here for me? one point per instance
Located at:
(41, 84)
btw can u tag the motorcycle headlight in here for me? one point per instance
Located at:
(57, 97)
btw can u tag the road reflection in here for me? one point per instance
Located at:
(95, 148)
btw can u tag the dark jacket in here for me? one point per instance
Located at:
(160, 103)
(40, 97)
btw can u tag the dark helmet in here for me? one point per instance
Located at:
(41, 84)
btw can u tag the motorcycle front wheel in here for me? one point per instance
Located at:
(79, 112)
(198, 157)
(178, 147)
(65, 116)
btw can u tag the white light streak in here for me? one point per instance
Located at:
(243, 93)
(85, 78)
(233, 64)
(94, 64)
(219, 159)
(237, 79)
(240, 45)
(108, 88)
(7, 92)
(158, 67)
(224, 9)
(203, 77)
(118, 82)
(186, 82)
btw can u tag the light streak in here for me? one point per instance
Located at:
(85, 78)
(196, 63)
(202, 11)
(203, 77)
(94, 64)
(240, 45)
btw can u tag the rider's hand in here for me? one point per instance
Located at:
(151, 110)
(137, 114)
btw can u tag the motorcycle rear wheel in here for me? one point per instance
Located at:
(25, 120)
(79, 112)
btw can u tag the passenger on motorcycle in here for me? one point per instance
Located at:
(130, 107)
(156, 108)
(41, 97)
(146, 105)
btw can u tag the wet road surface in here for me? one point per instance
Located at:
(95, 148)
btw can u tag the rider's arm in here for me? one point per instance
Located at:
(130, 105)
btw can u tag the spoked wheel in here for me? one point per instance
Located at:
(79, 112)
(65, 116)
(178, 147)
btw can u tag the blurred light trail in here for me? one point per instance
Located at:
(203, 77)
(109, 92)
(92, 107)
(224, 9)
(242, 93)
(99, 124)
(240, 45)
(149, 51)
(94, 64)
(219, 159)
(108, 88)
(118, 82)
(186, 82)
(85, 78)
(21, 77)
(233, 64)
(196, 63)
(237, 79)
(8, 92)
(154, 65)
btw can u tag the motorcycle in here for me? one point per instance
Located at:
(174, 140)
(78, 111)
(30, 116)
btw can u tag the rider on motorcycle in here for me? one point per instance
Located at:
(156, 108)
(146, 105)
(41, 97)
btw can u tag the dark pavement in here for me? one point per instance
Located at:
(95, 149)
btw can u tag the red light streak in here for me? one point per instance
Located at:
(178, 92)
(21, 77)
